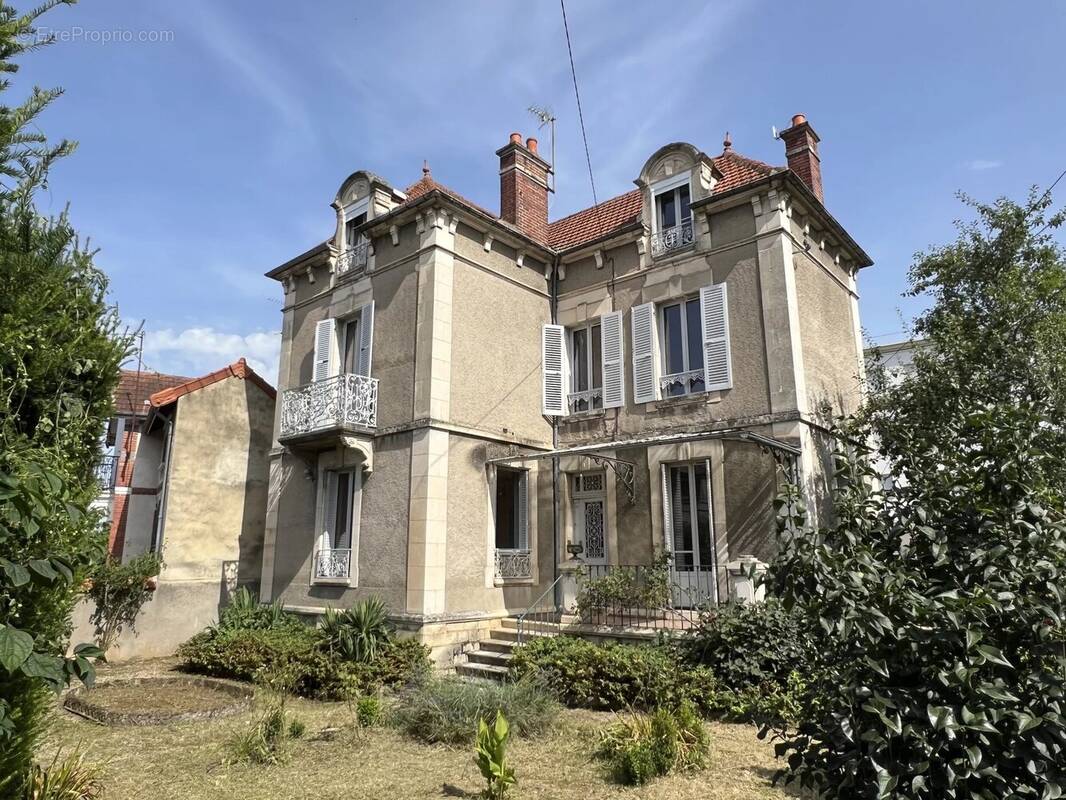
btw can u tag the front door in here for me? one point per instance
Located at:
(690, 533)
(590, 518)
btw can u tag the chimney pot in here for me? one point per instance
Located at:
(798, 119)
(531, 144)
(516, 137)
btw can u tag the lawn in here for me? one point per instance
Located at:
(187, 761)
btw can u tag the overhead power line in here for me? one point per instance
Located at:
(577, 95)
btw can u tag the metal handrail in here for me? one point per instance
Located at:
(524, 614)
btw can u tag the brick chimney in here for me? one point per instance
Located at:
(801, 150)
(524, 187)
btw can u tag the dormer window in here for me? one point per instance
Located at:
(672, 224)
(356, 246)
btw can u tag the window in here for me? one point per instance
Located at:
(333, 556)
(512, 556)
(350, 353)
(671, 207)
(690, 533)
(682, 348)
(586, 371)
(352, 238)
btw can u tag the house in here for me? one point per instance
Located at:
(897, 358)
(191, 485)
(468, 398)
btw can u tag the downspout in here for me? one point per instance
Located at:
(554, 306)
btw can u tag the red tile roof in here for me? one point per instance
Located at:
(427, 185)
(238, 369)
(611, 215)
(135, 387)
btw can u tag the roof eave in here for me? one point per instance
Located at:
(299, 260)
(622, 232)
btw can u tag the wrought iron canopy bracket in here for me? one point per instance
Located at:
(624, 471)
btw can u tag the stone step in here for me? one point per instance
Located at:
(493, 657)
(511, 634)
(489, 672)
(497, 645)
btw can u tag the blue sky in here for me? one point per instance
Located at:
(213, 135)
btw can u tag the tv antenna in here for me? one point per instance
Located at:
(546, 117)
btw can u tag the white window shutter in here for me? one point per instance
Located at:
(366, 338)
(555, 383)
(668, 510)
(329, 518)
(612, 353)
(714, 310)
(645, 380)
(324, 336)
(523, 511)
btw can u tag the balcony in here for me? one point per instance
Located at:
(105, 472)
(512, 564)
(352, 262)
(332, 565)
(671, 239)
(342, 404)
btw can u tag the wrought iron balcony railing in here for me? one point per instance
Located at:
(513, 564)
(585, 401)
(332, 564)
(673, 238)
(105, 472)
(353, 260)
(680, 383)
(340, 402)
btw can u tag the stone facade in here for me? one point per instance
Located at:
(467, 309)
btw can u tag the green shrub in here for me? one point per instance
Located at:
(747, 644)
(447, 710)
(368, 711)
(118, 591)
(266, 740)
(614, 676)
(627, 587)
(298, 650)
(640, 747)
(358, 633)
(245, 612)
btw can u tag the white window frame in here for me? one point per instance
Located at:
(355, 492)
(595, 366)
(350, 212)
(525, 522)
(671, 184)
(708, 585)
(685, 346)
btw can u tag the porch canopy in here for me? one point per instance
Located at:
(783, 453)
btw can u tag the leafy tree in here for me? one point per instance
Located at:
(936, 604)
(60, 349)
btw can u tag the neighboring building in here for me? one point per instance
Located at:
(464, 395)
(897, 358)
(192, 486)
(123, 434)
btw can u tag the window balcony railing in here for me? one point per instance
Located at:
(337, 403)
(332, 564)
(513, 564)
(689, 382)
(105, 472)
(671, 239)
(585, 401)
(353, 260)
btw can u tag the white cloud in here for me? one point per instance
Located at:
(979, 164)
(197, 351)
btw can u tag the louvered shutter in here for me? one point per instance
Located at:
(329, 518)
(366, 339)
(668, 509)
(645, 381)
(714, 310)
(324, 335)
(612, 353)
(523, 510)
(553, 356)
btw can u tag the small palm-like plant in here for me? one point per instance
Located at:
(490, 755)
(358, 633)
(66, 778)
